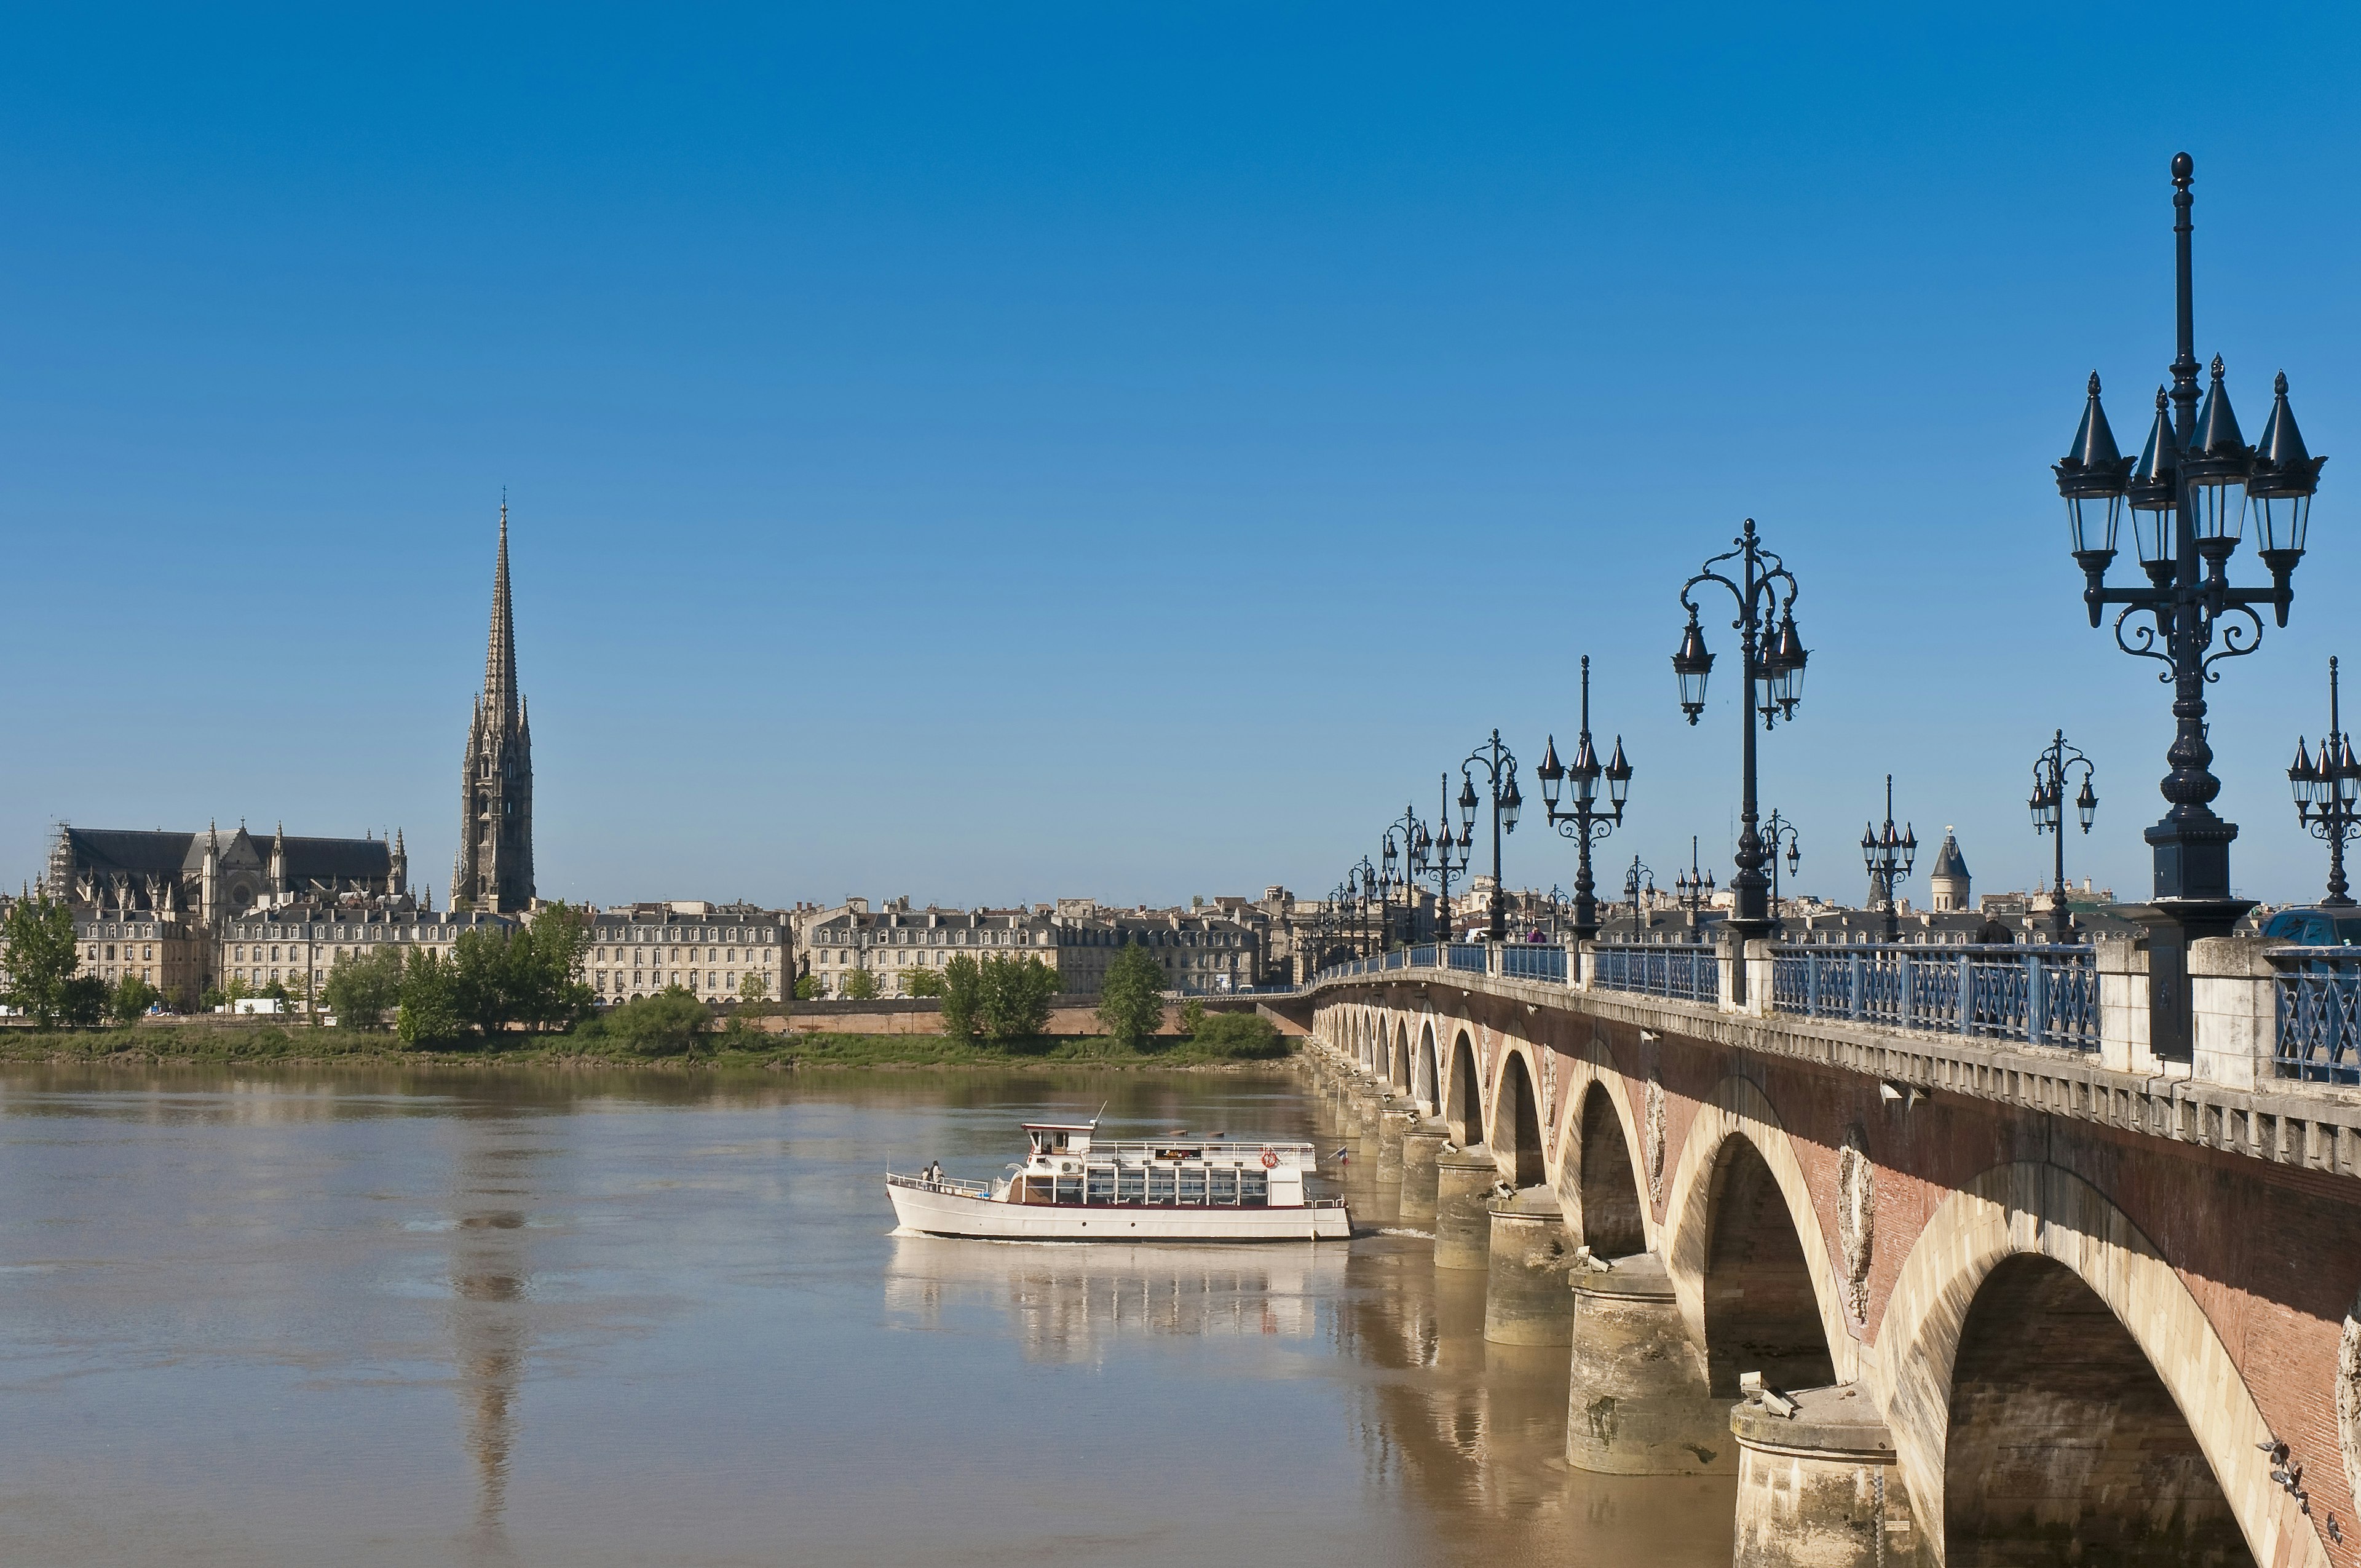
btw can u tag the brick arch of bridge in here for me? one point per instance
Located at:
(1463, 1082)
(1739, 1109)
(1398, 1071)
(1591, 1067)
(1520, 1151)
(1426, 1071)
(2031, 1208)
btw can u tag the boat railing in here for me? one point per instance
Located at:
(1146, 1149)
(942, 1184)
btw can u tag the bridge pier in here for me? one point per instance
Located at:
(1636, 1398)
(1463, 1207)
(1525, 1296)
(1422, 1146)
(1395, 1119)
(1818, 1489)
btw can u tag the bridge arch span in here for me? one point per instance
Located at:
(1972, 1252)
(1593, 1128)
(1425, 1075)
(1463, 1090)
(1739, 1111)
(1398, 1069)
(1517, 1145)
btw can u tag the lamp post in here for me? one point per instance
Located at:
(1631, 890)
(1773, 663)
(2052, 771)
(1412, 855)
(1888, 856)
(1583, 821)
(2189, 491)
(2328, 795)
(1445, 856)
(1500, 765)
(1693, 887)
(1371, 891)
(1778, 830)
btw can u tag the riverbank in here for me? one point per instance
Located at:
(153, 1044)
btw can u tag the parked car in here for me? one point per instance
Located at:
(2311, 927)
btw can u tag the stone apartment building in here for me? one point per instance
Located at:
(708, 949)
(1203, 951)
(296, 945)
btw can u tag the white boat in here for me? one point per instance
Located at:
(1072, 1188)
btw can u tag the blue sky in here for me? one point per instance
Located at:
(995, 453)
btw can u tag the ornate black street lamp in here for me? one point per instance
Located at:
(1403, 860)
(1888, 856)
(1632, 888)
(1773, 663)
(1694, 888)
(2328, 795)
(1583, 821)
(2191, 490)
(2053, 770)
(1442, 858)
(1500, 765)
(1778, 830)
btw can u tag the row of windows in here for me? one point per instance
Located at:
(961, 936)
(94, 949)
(712, 955)
(713, 980)
(684, 933)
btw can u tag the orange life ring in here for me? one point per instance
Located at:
(1270, 1159)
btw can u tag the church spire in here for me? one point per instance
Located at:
(500, 656)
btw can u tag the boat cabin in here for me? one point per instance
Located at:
(1063, 1165)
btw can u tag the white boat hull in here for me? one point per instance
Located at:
(942, 1212)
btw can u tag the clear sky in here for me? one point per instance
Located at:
(989, 453)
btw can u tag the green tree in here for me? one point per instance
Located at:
(666, 1024)
(861, 986)
(429, 1014)
(1131, 997)
(807, 988)
(923, 983)
(962, 997)
(479, 980)
(132, 998)
(363, 988)
(753, 986)
(1015, 996)
(37, 946)
(213, 996)
(1244, 1035)
(543, 967)
(1193, 1014)
(85, 1000)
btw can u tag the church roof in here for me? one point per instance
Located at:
(322, 859)
(1948, 861)
(121, 849)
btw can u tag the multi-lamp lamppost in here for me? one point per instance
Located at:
(1889, 856)
(2328, 795)
(1584, 820)
(1695, 889)
(2191, 492)
(2052, 771)
(1442, 858)
(1777, 831)
(1633, 886)
(1773, 660)
(1500, 765)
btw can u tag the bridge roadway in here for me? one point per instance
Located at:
(2014, 1304)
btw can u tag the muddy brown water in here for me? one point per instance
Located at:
(361, 1318)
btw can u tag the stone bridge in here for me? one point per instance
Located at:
(2006, 1303)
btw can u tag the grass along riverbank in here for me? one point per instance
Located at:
(149, 1043)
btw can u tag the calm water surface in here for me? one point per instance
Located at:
(356, 1319)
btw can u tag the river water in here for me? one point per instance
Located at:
(396, 1318)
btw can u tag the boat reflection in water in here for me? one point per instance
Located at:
(1068, 1301)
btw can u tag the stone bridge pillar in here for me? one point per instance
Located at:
(1396, 1117)
(1525, 1297)
(1422, 1146)
(1636, 1400)
(1817, 1488)
(1463, 1207)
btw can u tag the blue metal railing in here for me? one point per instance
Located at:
(1533, 960)
(1468, 955)
(2042, 995)
(1682, 971)
(1423, 957)
(2319, 1009)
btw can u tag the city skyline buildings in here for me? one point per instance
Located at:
(884, 500)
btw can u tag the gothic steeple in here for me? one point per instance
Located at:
(493, 869)
(500, 654)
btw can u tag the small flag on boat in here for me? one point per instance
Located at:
(1340, 1156)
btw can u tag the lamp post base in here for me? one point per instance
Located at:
(2172, 924)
